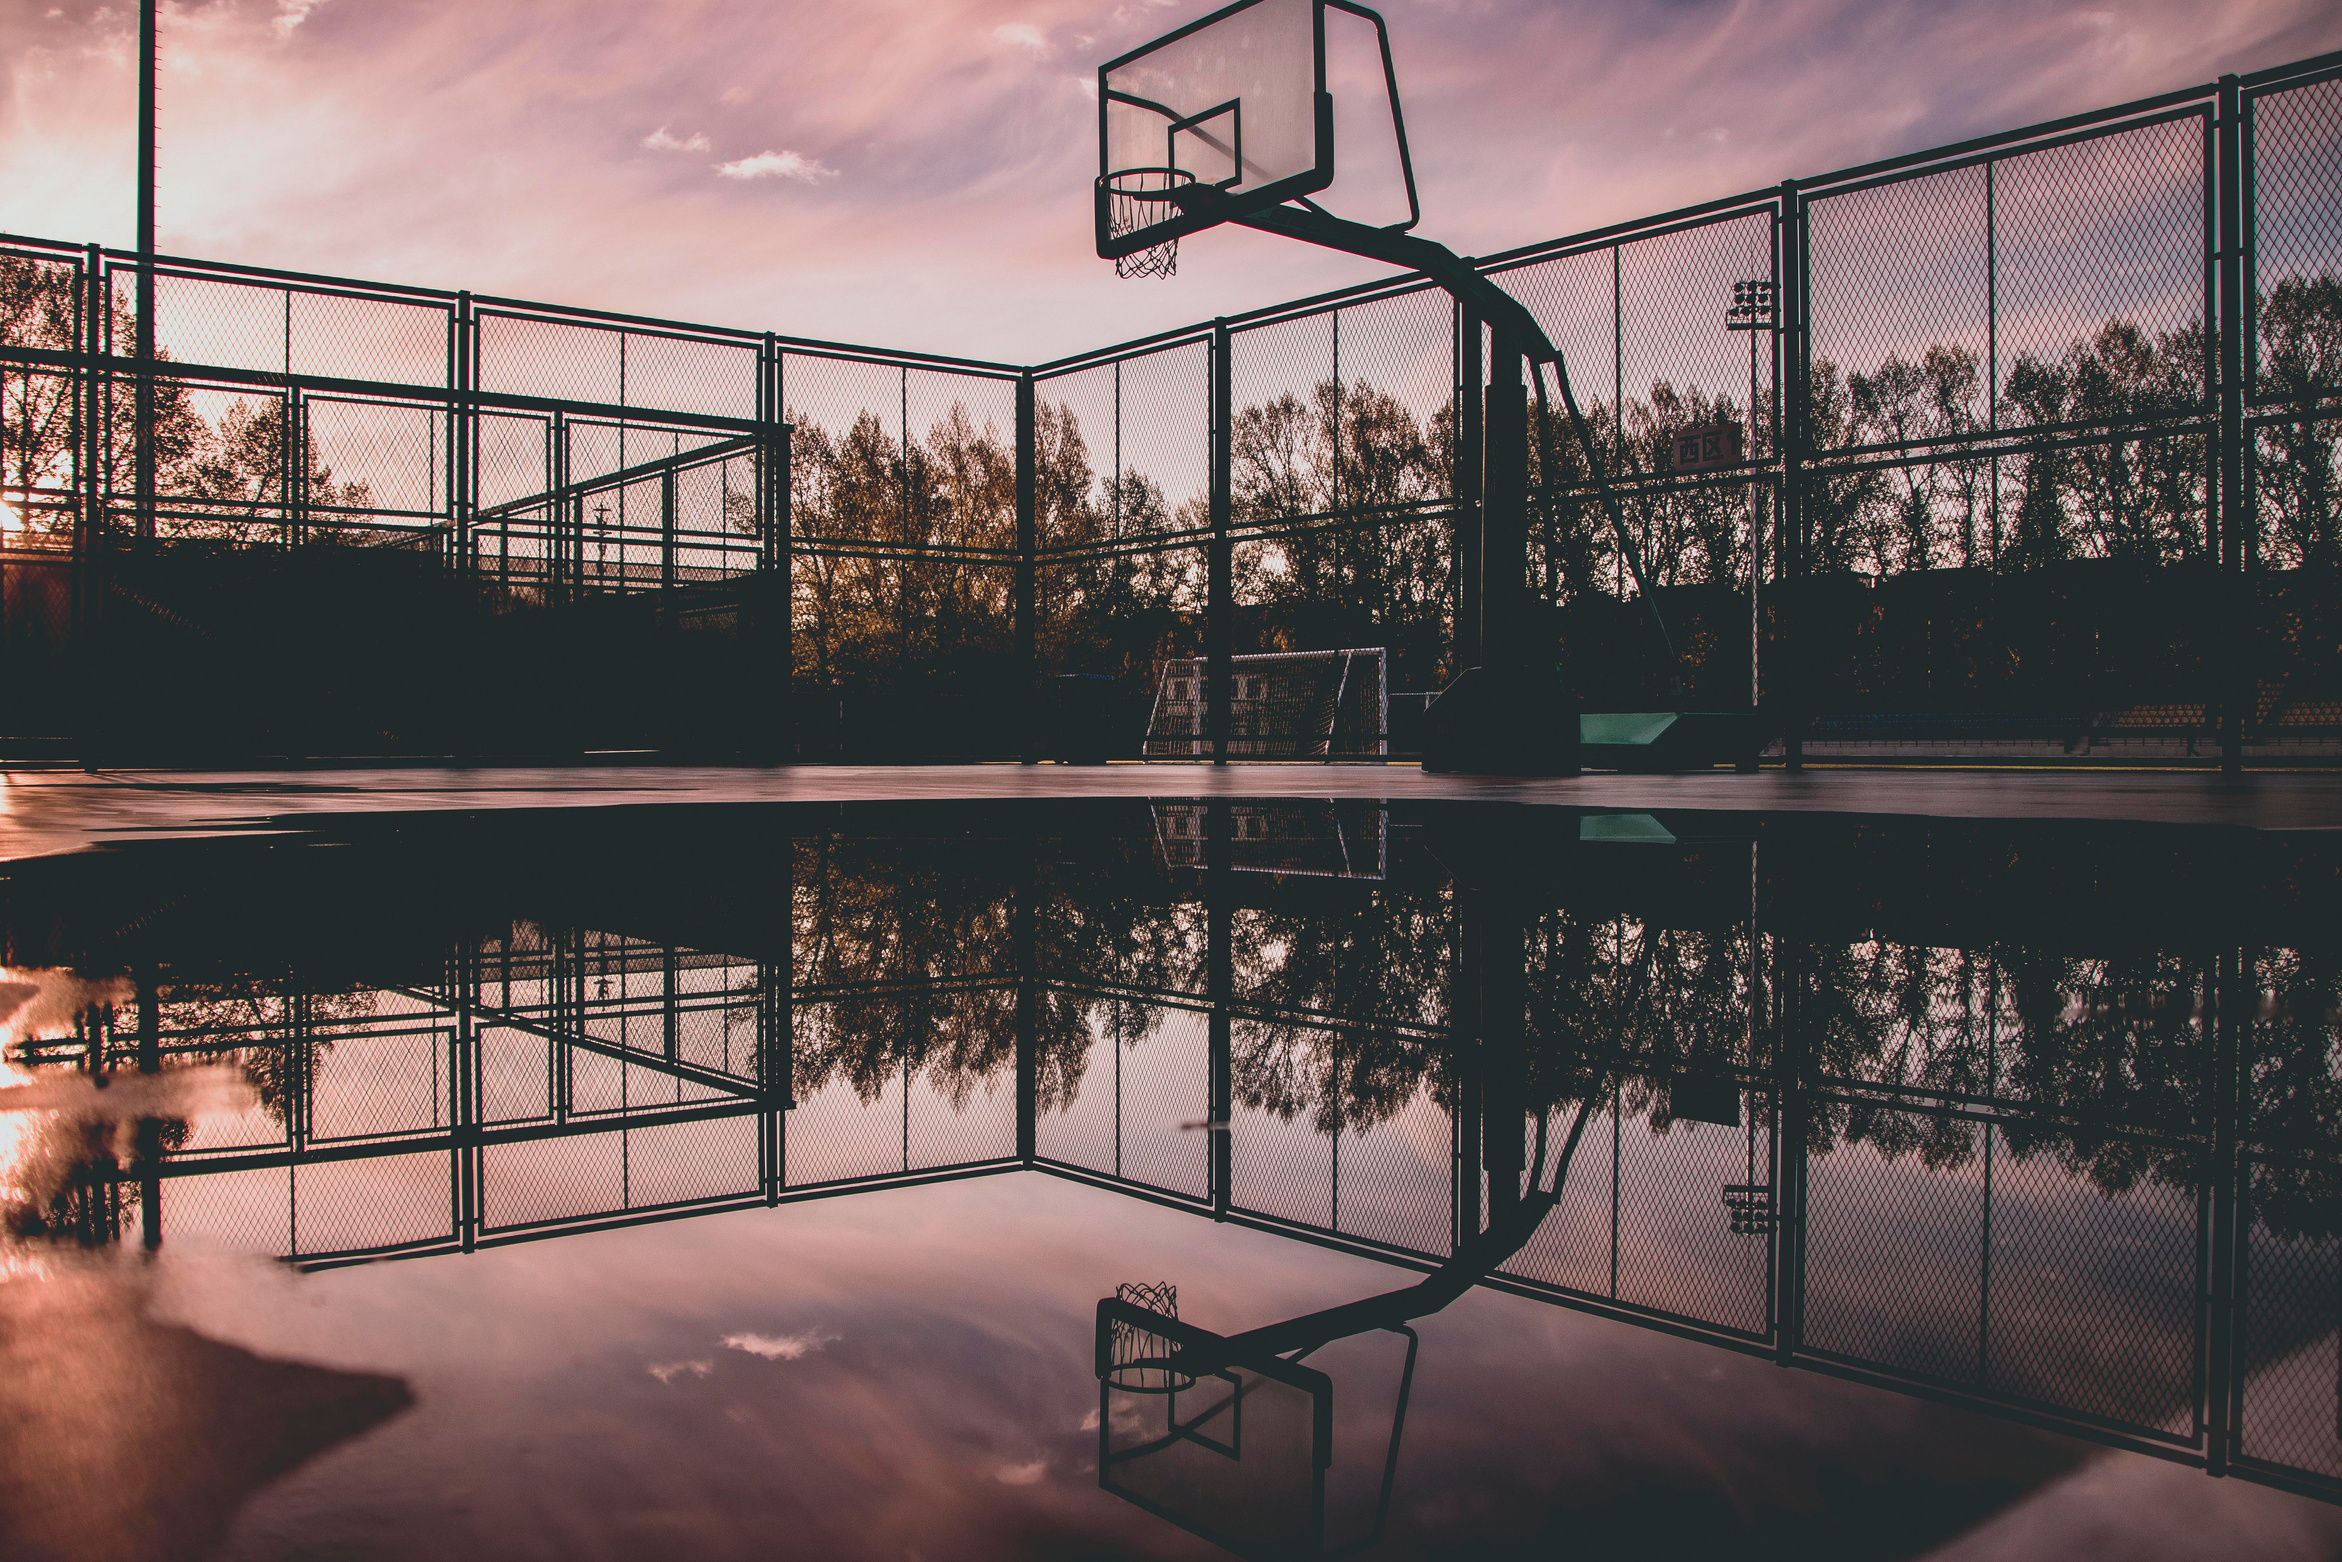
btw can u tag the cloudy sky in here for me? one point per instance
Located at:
(914, 173)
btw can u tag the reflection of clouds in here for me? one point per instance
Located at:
(1527, 1424)
(40, 1002)
(59, 1125)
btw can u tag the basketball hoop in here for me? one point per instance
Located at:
(1142, 1359)
(1138, 198)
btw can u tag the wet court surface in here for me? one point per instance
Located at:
(764, 1178)
(61, 810)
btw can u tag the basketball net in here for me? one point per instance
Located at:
(1137, 198)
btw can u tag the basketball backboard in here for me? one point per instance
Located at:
(1237, 1455)
(1225, 117)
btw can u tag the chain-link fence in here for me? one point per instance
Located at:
(2023, 448)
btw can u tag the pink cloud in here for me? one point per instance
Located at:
(776, 165)
(500, 148)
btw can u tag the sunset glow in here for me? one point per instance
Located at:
(917, 174)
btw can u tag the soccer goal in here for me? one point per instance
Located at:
(1282, 705)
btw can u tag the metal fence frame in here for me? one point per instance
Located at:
(1773, 505)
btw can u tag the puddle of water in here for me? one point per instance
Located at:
(739, 1180)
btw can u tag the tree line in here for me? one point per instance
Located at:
(222, 477)
(905, 544)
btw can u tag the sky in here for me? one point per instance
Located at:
(915, 173)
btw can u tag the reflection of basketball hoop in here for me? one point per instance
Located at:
(1142, 1358)
(1138, 198)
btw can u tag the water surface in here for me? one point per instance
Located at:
(732, 1181)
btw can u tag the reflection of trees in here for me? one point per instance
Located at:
(266, 1028)
(2103, 1065)
(1609, 993)
(2294, 1091)
(923, 928)
(1382, 964)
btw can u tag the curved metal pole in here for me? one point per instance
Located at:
(1470, 1264)
(1508, 316)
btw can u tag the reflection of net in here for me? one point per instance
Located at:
(1282, 705)
(1141, 1356)
(1138, 198)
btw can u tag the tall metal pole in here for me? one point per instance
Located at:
(145, 430)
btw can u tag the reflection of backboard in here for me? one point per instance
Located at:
(1235, 104)
(1237, 1456)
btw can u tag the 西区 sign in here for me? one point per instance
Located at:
(1703, 445)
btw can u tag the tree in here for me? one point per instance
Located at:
(2301, 364)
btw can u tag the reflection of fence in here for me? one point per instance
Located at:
(2095, 1191)
(2079, 363)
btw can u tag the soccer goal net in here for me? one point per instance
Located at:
(1284, 705)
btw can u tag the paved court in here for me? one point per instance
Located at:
(52, 811)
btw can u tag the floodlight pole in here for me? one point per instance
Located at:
(1512, 327)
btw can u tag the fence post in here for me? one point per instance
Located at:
(667, 534)
(1028, 1005)
(776, 611)
(1793, 387)
(2231, 1003)
(1471, 374)
(149, 1140)
(1220, 571)
(463, 1131)
(144, 431)
(296, 493)
(2235, 674)
(1028, 672)
(1464, 1051)
(1789, 1146)
(1219, 992)
(462, 374)
(92, 461)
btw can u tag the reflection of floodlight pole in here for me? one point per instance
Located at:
(144, 426)
(1753, 310)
